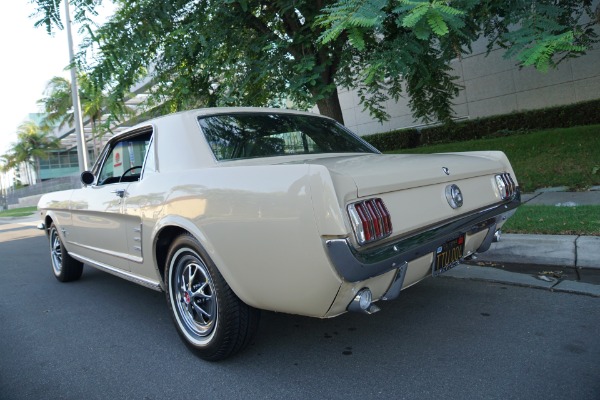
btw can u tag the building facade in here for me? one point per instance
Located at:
(492, 85)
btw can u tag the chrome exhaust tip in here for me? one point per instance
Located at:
(363, 302)
(497, 236)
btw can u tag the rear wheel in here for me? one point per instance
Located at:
(65, 267)
(209, 317)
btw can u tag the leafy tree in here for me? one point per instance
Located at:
(32, 145)
(408, 44)
(250, 52)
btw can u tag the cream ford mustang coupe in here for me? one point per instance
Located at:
(229, 211)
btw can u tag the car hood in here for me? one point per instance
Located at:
(377, 173)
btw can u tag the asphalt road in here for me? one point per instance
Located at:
(105, 338)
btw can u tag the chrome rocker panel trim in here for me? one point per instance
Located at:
(355, 266)
(117, 272)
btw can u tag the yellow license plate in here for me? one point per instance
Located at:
(448, 255)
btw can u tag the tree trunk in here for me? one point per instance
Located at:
(28, 173)
(38, 177)
(94, 141)
(330, 106)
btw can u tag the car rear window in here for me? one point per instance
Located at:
(251, 135)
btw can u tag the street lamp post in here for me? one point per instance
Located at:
(82, 153)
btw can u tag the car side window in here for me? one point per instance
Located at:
(125, 159)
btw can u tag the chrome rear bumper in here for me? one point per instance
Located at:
(355, 266)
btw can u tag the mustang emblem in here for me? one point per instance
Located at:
(454, 196)
(446, 170)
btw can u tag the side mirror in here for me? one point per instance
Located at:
(87, 178)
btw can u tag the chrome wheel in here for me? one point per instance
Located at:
(65, 267)
(209, 317)
(55, 251)
(193, 295)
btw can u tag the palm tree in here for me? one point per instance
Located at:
(58, 105)
(93, 102)
(32, 145)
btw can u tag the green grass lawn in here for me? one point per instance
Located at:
(556, 157)
(18, 212)
(552, 220)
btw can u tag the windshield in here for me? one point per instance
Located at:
(247, 135)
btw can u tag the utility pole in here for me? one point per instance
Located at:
(82, 153)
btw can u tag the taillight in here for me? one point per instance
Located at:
(506, 186)
(370, 220)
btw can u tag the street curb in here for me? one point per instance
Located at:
(489, 274)
(587, 248)
(555, 250)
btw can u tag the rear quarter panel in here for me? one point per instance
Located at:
(258, 225)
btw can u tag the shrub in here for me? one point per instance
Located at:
(585, 113)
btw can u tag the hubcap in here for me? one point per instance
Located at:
(194, 295)
(55, 251)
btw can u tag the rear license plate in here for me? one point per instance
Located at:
(448, 255)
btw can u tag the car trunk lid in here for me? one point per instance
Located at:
(374, 174)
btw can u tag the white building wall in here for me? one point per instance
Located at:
(492, 85)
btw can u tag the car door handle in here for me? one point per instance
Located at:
(119, 192)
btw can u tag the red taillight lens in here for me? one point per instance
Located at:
(370, 220)
(364, 222)
(506, 186)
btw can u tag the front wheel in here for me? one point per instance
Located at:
(209, 317)
(65, 267)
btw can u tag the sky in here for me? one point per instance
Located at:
(30, 58)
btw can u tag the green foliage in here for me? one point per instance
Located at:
(57, 103)
(49, 13)
(543, 33)
(215, 54)
(436, 14)
(251, 52)
(347, 17)
(540, 55)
